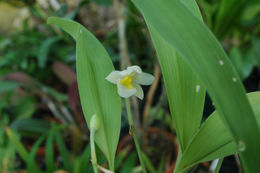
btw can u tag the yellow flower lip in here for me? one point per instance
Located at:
(127, 82)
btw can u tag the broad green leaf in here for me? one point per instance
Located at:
(201, 51)
(192, 5)
(97, 95)
(217, 140)
(185, 93)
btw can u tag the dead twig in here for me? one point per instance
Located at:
(151, 92)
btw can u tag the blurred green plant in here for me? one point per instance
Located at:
(237, 26)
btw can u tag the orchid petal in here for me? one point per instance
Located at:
(144, 79)
(114, 77)
(139, 91)
(135, 68)
(130, 70)
(125, 92)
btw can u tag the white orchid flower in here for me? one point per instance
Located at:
(128, 81)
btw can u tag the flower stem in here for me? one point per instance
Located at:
(133, 132)
(93, 150)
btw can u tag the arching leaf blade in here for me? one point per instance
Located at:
(200, 49)
(185, 93)
(97, 95)
(217, 140)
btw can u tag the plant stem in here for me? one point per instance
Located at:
(93, 150)
(133, 132)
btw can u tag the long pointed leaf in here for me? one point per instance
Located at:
(200, 49)
(49, 154)
(185, 93)
(31, 164)
(17, 143)
(63, 151)
(97, 95)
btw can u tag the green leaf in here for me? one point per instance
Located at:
(8, 86)
(63, 151)
(148, 163)
(49, 154)
(84, 159)
(229, 12)
(185, 92)
(17, 143)
(76, 165)
(256, 49)
(217, 140)
(25, 107)
(44, 50)
(97, 95)
(119, 159)
(243, 63)
(7, 157)
(251, 11)
(219, 164)
(212, 141)
(203, 53)
(103, 2)
(129, 163)
(30, 127)
(31, 164)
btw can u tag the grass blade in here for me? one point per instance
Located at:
(148, 163)
(63, 151)
(31, 164)
(17, 144)
(85, 159)
(44, 50)
(49, 154)
(228, 13)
